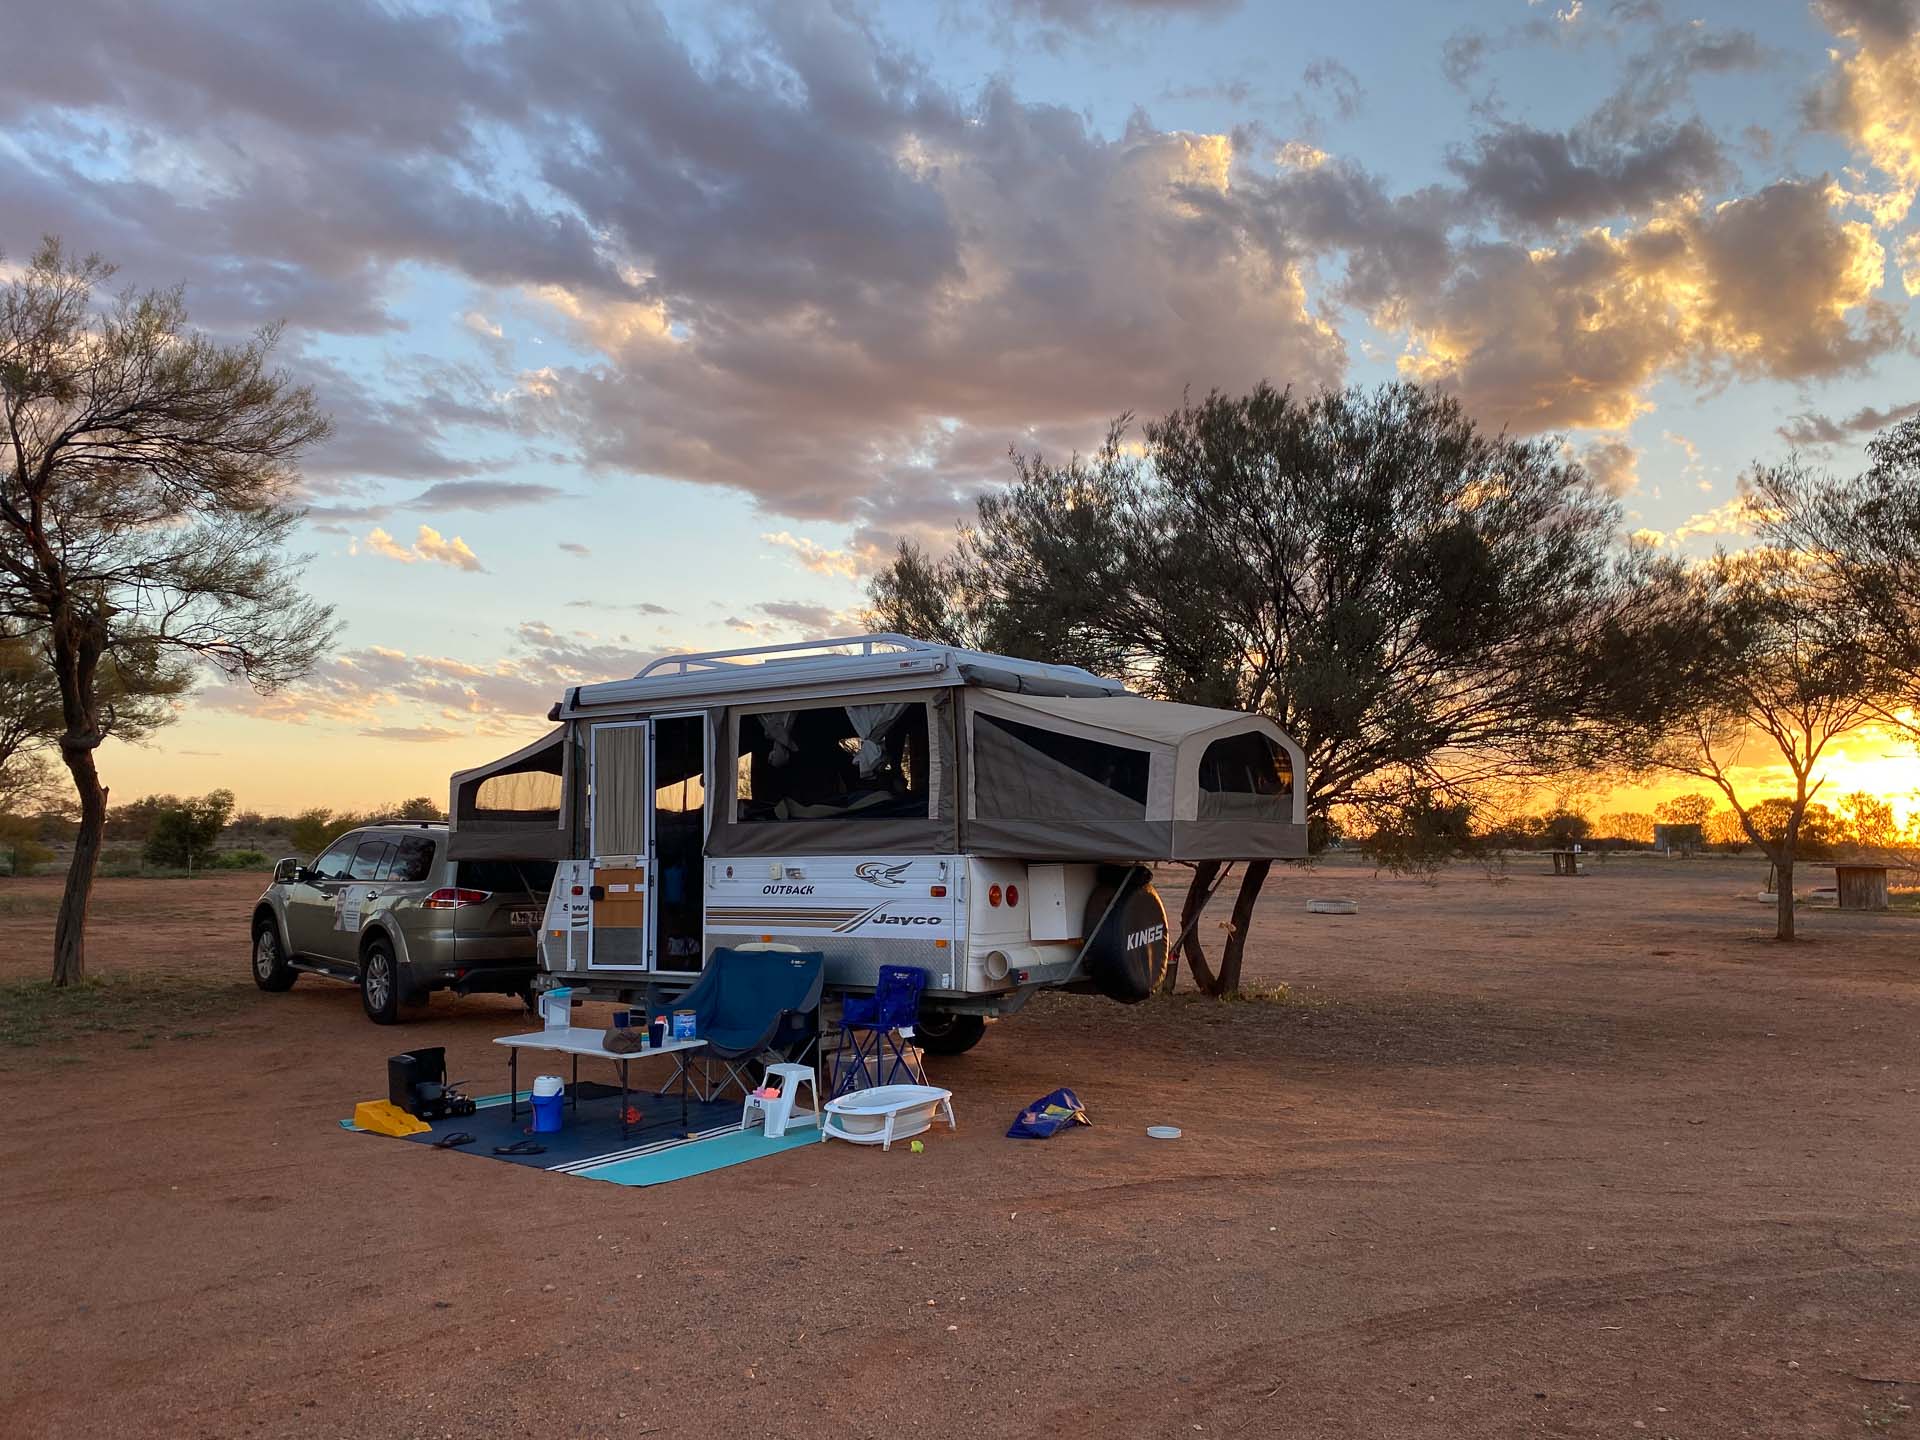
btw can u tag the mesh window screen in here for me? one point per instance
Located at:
(1023, 772)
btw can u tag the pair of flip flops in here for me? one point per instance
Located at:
(461, 1137)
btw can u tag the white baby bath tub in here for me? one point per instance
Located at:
(887, 1113)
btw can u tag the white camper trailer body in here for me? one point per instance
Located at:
(878, 799)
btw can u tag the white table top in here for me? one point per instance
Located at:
(579, 1040)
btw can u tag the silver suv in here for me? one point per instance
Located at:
(384, 909)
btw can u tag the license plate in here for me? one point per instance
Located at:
(525, 915)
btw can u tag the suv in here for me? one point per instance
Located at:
(384, 909)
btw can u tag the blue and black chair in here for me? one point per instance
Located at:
(749, 1002)
(872, 1026)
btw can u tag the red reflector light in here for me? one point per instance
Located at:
(938, 892)
(1013, 896)
(993, 895)
(448, 898)
(579, 889)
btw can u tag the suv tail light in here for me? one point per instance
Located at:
(449, 898)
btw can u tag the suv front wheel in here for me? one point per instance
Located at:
(380, 983)
(270, 968)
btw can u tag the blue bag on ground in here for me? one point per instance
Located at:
(1048, 1114)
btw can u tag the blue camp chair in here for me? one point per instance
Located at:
(747, 1002)
(870, 1030)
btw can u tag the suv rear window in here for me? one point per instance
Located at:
(509, 877)
(412, 859)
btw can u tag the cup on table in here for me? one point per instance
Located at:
(622, 1019)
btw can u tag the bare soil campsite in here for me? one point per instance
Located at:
(1542, 1156)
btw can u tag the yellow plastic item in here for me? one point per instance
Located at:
(383, 1117)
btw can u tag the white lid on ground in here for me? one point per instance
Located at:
(1333, 907)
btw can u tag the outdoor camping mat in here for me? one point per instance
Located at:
(590, 1141)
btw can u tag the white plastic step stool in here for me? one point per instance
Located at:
(776, 1112)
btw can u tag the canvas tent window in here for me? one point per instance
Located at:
(1245, 776)
(1028, 772)
(834, 762)
(515, 806)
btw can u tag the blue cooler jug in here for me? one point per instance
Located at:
(548, 1096)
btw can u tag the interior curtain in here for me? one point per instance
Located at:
(871, 723)
(779, 727)
(619, 791)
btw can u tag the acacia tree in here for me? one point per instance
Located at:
(1426, 608)
(1803, 679)
(143, 513)
(1864, 534)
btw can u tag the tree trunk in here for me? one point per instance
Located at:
(1783, 879)
(1198, 893)
(70, 930)
(1250, 884)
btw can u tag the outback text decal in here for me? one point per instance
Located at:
(787, 890)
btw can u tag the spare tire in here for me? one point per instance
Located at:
(1126, 958)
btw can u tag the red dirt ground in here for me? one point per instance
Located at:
(1545, 1157)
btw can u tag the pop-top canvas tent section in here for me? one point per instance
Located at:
(883, 745)
(1126, 777)
(515, 808)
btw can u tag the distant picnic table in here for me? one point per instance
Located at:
(1567, 862)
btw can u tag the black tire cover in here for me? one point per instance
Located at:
(1127, 956)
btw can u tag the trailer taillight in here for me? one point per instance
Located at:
(1013, 896)
(451, 898)
(993, 895)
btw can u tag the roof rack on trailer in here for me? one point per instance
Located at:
(794, 650)
(858, 662)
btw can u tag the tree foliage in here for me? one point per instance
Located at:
(1426, 608)
(1802, 680)
(186, 833)
(144, 486)
(1863, 535)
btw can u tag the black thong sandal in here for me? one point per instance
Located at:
(520, 1147)
(449, 1142)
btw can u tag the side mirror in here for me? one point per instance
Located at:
(289, 871)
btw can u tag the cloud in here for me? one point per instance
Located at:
(1734, 517)
(815, 619)
(426, 734)
(1772, 284)
(1614, 465)
(1872, 96)
(639, 607)
(1541, 179)
(430, 545)
(796, 264)
(574, 547)
(484, 495)
(1812, 430)
(811, 555)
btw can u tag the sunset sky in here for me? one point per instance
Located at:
(649, 328)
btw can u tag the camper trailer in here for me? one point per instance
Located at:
(880, 800)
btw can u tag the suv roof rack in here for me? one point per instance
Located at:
(401, 820)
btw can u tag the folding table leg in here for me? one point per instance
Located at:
(513, 1083)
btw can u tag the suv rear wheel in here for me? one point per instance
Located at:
(270, 968)
(380, 983)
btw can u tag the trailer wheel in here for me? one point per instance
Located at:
(939, 1034)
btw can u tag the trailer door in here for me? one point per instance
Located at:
(619, 842)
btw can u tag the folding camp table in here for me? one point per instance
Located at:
(577, 1041)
